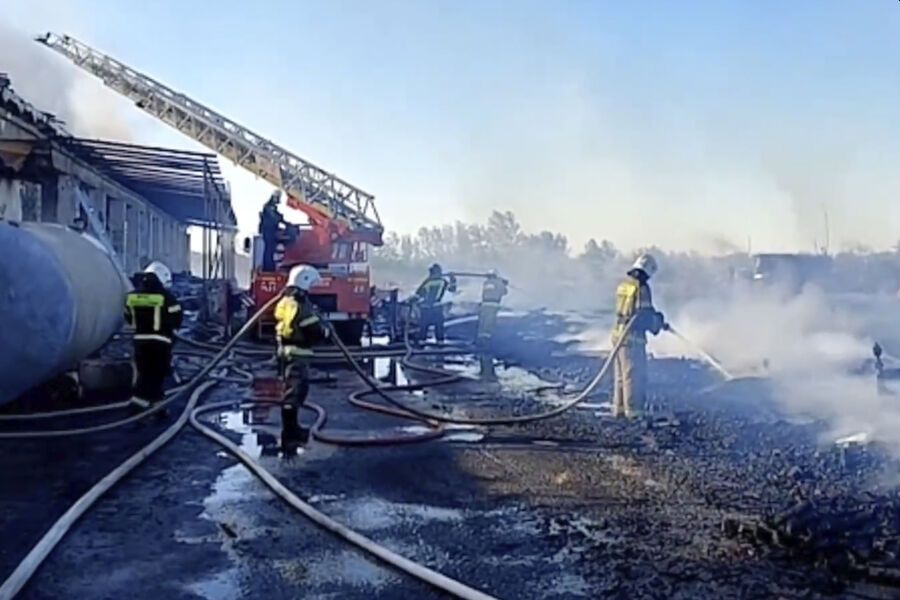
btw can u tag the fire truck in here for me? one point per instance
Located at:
(343, 220)
(791, 271)
(339, 253)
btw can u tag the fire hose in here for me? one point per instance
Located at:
(39, 553)
(48, 542)
(374, 388)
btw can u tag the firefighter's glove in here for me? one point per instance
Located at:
(661, 324)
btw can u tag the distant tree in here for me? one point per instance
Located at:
(605, 251)
(503, 230)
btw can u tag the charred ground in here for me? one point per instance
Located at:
(715, 495)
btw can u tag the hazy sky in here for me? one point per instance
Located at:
(684, 124)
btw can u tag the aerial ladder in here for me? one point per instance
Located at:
(343, 220)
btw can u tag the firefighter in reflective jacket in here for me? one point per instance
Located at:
(634, 301)
(155, 314)
(429, 295)
(297, 328)
(492, 293)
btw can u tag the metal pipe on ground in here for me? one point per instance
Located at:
(61, 298)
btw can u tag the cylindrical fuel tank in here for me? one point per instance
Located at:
(61, 299)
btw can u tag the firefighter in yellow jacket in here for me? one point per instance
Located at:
(492, 292)
(297, 329)
(634, 301)
(155, 314)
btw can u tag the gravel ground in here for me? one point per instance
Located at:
(582, 506)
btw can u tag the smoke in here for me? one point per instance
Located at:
(612, 162)
(45, 80)
(812, 347)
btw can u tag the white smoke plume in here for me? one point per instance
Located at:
(811, 346)
(49, 83)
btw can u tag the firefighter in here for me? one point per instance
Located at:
(492, 292)
(634, 301)
(155, 314)
(270, 221)
(297, 328)
(429, 296)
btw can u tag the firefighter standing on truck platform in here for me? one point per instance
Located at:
(297, 328)
(492, 292)
(429, 296)
(155, 314)
(270, 221)
(634, 301)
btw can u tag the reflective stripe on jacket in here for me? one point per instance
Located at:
(296, 325)
(633, 300)
(154, 315)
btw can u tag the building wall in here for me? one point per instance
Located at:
(10, 200)
(19, 200)
(137, 230)
(52, 188)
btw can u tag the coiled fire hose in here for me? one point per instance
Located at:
(48, 542)
(39, 553)
(374, 388)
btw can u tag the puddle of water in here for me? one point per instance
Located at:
(347, 567)
(221, 586)
(568, 583)
(373, 514)
(234, 484)
(324, 498)
(453, 433)
(464, 436)
(388, 369)
(517, 379)
(237, 421)
(260, 431)
(598, 406)
(861, 438)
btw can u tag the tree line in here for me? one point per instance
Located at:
(546, 261)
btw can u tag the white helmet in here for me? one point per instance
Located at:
(303, 277)
(645, 263)
(162, 273)
(492, 273)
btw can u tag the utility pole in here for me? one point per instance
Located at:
(827, 231)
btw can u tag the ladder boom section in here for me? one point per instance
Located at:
(323, 191)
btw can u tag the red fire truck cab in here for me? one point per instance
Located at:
(343, 294)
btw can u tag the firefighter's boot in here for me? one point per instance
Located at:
(291, 431)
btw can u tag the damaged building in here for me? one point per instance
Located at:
(81, 216)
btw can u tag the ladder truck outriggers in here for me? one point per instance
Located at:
(343, 220)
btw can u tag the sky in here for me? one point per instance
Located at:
(702, 125)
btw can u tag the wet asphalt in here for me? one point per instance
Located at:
(582, 506)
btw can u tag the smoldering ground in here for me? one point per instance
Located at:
(815, 348)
